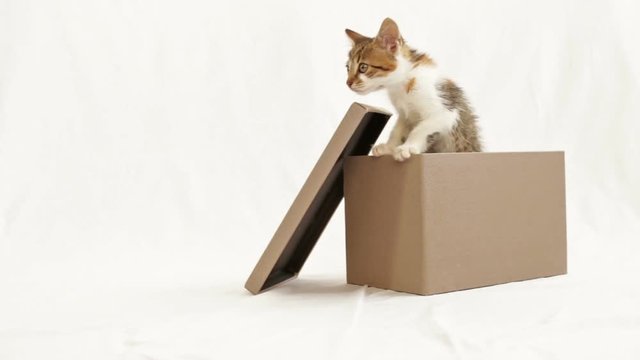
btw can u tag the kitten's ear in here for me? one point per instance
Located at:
(355, 37)
(389, 35)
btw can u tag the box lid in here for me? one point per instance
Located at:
(317, 200)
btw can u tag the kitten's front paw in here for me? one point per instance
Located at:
(381, 149)
(403, 152)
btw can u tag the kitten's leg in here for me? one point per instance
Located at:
(398, 132)
(417, 141)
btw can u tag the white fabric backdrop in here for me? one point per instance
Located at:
(149, 149)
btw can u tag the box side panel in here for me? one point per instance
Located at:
(383, 223)
(493, 218)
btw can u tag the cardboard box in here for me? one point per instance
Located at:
(444, 222)
(432, 224)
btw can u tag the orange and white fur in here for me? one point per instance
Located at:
(433, 113)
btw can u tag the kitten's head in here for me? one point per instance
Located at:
(372, 61)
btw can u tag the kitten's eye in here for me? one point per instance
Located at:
(347, 67)
(362, 68)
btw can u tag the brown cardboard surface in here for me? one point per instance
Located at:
(317, 200)
(445, 222)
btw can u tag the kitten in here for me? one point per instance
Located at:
(433, 113)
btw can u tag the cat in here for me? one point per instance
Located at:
(433, 112)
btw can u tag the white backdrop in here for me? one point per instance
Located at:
(149, 149)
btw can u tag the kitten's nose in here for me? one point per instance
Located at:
(349, 82)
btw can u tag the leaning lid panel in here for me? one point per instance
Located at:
(317, 200)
